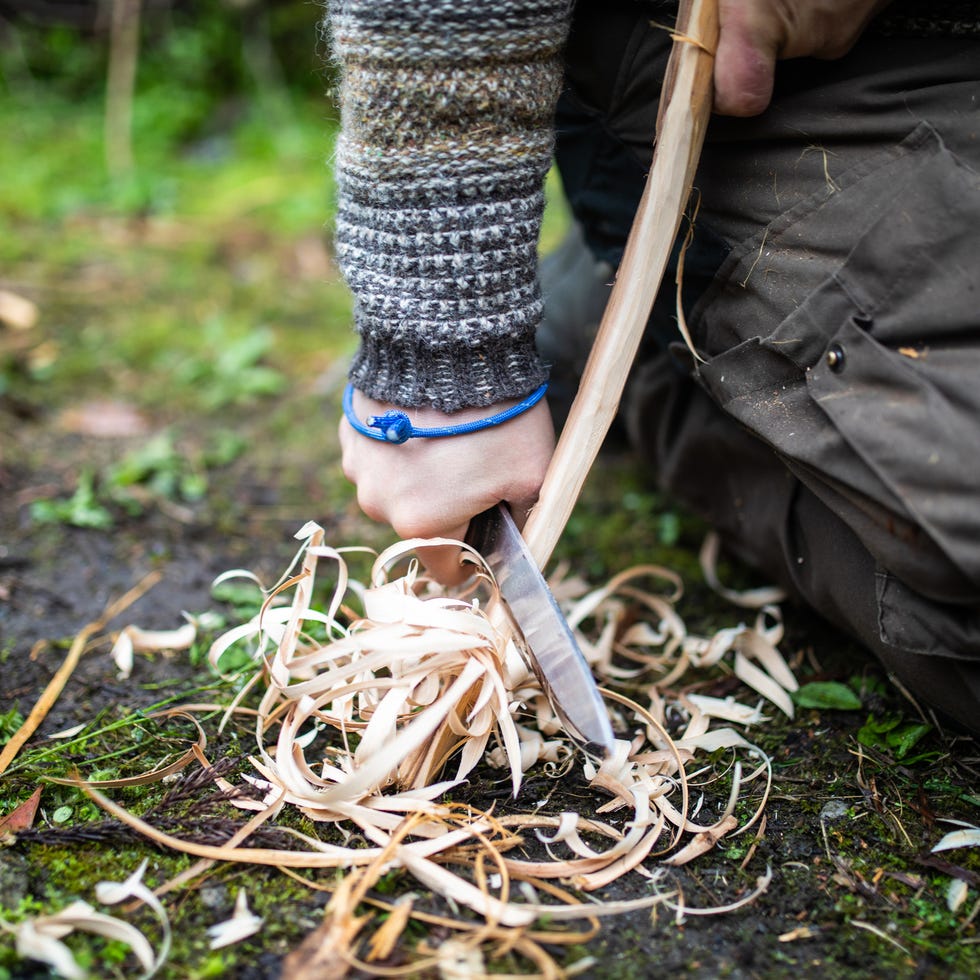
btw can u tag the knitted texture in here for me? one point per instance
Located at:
(446, 136)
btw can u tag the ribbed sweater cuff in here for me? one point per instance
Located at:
(409, 373)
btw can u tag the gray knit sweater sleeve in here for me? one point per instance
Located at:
(446, 136)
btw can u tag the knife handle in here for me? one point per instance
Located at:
(685, 106)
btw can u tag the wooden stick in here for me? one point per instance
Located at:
(685, 106)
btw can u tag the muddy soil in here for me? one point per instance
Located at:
(847, 832)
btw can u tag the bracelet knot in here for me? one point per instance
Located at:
(394, 426)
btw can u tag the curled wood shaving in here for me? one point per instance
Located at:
(113, 893)
(969, 836)
(242, 924)
(750, 598)
(40, 937)
(956, 893)
(134, 639)
(369, 720)
(17, 312)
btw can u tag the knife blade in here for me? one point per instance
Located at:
(554, 654)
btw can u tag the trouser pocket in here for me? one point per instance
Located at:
(869, 388)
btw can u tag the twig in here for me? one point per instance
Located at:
(880, 933)
(762, 245)
(681, 318)
(57, 683)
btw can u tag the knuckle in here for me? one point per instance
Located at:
(372, 504)
(421, 518)
(414, 525)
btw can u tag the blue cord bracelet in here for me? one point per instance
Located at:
(396, 427)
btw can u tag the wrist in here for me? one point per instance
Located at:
(387, 423)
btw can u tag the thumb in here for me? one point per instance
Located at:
(745, 63)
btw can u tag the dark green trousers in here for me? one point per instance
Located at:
(832, 431)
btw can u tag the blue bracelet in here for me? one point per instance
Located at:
(396, 427)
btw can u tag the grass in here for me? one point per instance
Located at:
(225, 255)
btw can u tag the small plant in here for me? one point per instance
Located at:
(895, 736)
(245, 598)
(161, 469)
(155, 471)
(10, 722)
(231, 372)
(827, 695)
(669, 528)
(82, 509)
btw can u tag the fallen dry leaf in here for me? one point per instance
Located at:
(105, 419)
(325, 953)
(22, 816)
(386, 936)
(17, 312)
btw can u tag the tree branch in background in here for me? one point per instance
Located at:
(121, 80)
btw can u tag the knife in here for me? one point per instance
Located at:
(685, 107)
(555, 657)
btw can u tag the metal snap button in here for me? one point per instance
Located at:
(835, 358)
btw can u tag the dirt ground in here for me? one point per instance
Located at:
(848, 829)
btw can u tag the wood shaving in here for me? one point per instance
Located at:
(242, 924)
(40, 937)
(372, 721)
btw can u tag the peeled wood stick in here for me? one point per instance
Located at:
(685, 106)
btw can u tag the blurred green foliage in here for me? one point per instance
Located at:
(207, 49)
(214, 80)
(188, 281)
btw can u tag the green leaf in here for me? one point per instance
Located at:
(827, 694)
(10, 722)
(904, 739)
(880, 726)
(193, 486)
(155, 456)
(893, 735)
(225, 448)
(82, 509)
(246, 597)
(669, 528)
